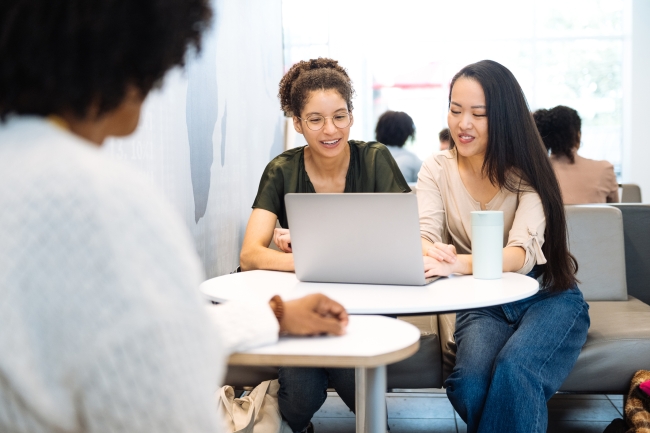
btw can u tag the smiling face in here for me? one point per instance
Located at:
(329, 141)
(467, 118)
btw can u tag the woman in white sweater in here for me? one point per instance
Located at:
(101, 325)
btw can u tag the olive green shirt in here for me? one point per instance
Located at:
(372, 169)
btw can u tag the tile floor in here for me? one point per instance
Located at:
(431, 412)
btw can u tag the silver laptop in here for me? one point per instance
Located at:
(356, 238)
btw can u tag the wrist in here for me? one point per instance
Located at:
(463, 264)
(277, 306)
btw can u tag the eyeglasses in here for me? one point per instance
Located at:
(316, 122)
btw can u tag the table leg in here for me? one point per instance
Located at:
(376, 399)
(360, 398)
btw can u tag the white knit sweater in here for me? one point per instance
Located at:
(101, 325)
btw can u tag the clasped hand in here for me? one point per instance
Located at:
(282, 239)
(312, 315)
(440, 260)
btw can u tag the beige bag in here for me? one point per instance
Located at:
(258, 412)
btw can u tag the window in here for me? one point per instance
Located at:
(402, 55)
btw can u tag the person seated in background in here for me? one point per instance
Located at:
(393, 129)
(445, 138)
(102, 328)
(582, 180)
(318, 95)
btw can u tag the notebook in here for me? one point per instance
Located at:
(369, 238)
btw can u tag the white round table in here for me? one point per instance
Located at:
(371, 342)
(457, 292)
(445, 294)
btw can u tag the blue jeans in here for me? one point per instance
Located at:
(512, 358)
(303, 391)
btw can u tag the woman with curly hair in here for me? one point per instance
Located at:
(511, 358)
(101, 325)
(317, 94)
(582, 180)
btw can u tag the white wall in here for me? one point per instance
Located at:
(206, 137)
(636, 149)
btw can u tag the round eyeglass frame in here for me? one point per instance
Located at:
(325, 121)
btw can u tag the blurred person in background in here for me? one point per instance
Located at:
(582, 180)
(102, 328)
(444, 137)
(393, 129)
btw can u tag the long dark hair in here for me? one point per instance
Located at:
(560, 129)
(515, 159)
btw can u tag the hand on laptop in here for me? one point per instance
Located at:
(440, 260)
(443, 252)
(282, 239)
(312, 315)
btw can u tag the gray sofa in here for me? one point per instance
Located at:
(636, 231)
(612, 245)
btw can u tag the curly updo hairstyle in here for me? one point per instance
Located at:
(66, 56)
(394, 128)
(309, 75)
(560, 129)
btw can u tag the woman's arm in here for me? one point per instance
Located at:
(513, 258)
(441, 259)
(255, 253)
(527, 233)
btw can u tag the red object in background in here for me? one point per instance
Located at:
(378, 86)
(645, 387)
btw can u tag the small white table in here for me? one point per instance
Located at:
(457, 292)
(371, 342)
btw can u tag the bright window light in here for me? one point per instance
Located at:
(402, 55)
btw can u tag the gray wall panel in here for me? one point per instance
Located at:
(206, 137)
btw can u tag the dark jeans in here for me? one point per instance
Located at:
(304, 390)
(512, 358)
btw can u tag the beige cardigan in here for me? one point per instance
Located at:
(445, 205)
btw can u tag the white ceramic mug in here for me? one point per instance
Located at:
(487, 244)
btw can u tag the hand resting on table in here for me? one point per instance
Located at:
(312, 315)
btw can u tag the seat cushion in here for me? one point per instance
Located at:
(422, 370)
(447, 327)
(591, 230)
(240, 377)
(618, 344)
(636, 224)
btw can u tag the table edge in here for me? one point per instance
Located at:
(284, 360)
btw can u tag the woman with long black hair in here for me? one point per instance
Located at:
(510, 358)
